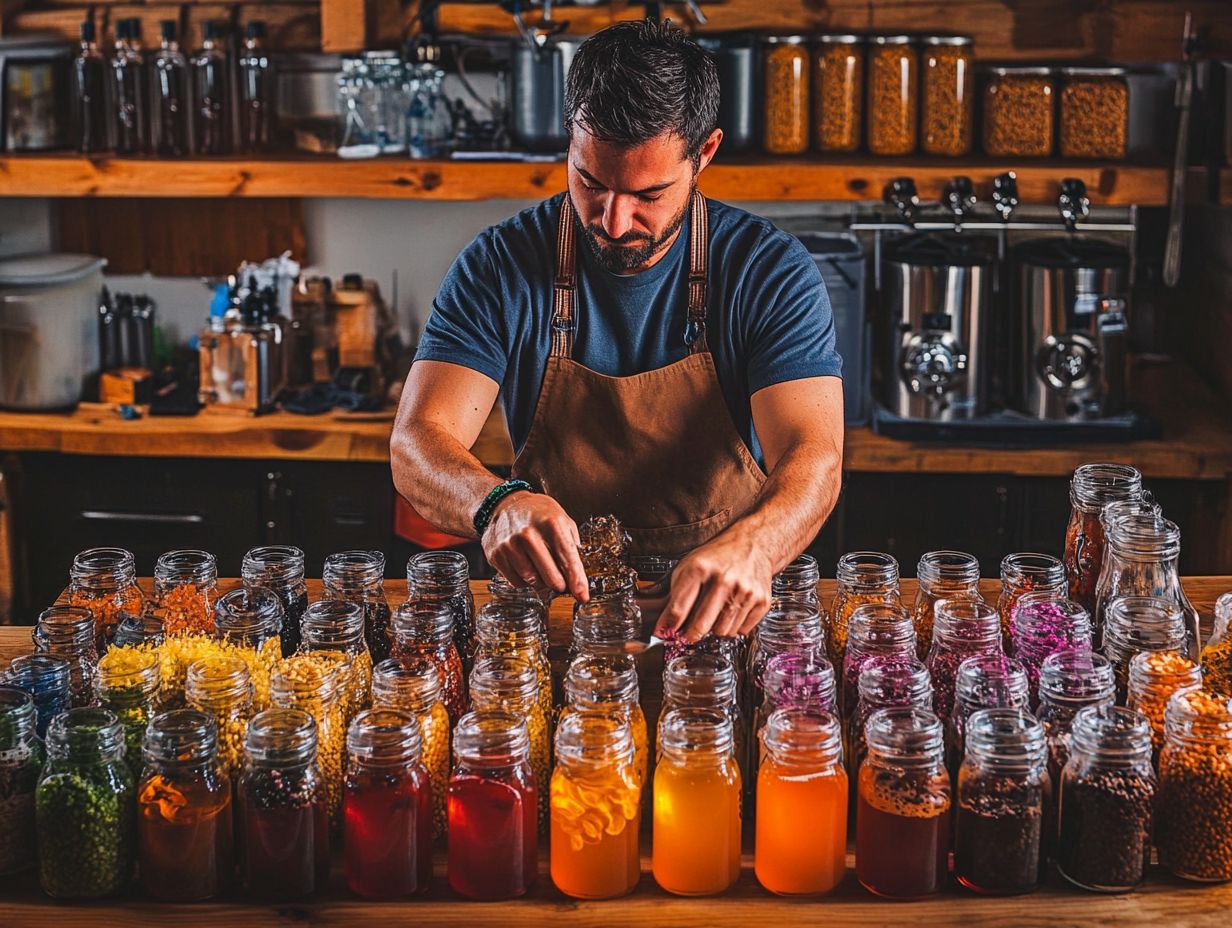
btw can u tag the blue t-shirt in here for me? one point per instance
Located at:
(768, 316)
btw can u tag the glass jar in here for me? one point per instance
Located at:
(1093, 487)
(863, 577)
(1136, 624)
(313, 683)
(221, 687)
(1018, 117)
(1142, 561)
(387, 807)
(696, 849)
(893, 94)
(413, 684)
(1094, 113)
(283, 815)
(251, 618)
(444, 576)
(801, 842)
(604, 627)
(184, 827)
(903, 805)
(887, 682)
(359, 577)
(988, 681)
(280, 568)
(787, 628)
(185, 587)
(501, 589)
(425, 629)
(1107, 797)
(68, 632)
(1043, 625)
(796, 584)
(144, 629)
(21, 760)
(1217, 652)
(1027, 573)
(947, 113)
(838, 92)
(84, 808)
(609, 684)
(786, 82)
(128, 685)
(104, 580)
(1002, 786)
(429, 120)
(47, 679)
(595, 801)
(709, 681)
(961, 629)
(941, 575)
(516, 629)
(338, 626)
(1070, 681)
(875, 630)
(492, 801)
(1154, 676)
(796, 681)
(1193, 809)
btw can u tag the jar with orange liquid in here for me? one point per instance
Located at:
(696, 804)
(801, 844)
(595, 796)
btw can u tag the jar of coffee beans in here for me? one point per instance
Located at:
(787, 95)
(1018, 117)
(1094, 113)
(838, 92)
(948, 110)
(893, 94)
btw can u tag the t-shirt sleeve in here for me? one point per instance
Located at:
(467, 325)
(789, 325)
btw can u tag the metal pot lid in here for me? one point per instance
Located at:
(948, 40)
(47, 270)
(942, 249)
(1070, 252)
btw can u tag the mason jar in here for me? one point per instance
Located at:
(1136, 624)
(962, 628)
(947, 110)
(893, 95)
(21, 760)
(251, 618)
(941, 575)
(68, 632)
(1043, 625)
(875, 631)
(797, 583)
(838, 92)
(1092, 487)
(314, 683)
(104, 580)
(1154, 676)
(280, 568)
(221, 687)
(1025, 573)
(338, 626)
(47, 679)
(786, 106)
(424, 628)
(863, 577)
(128, 684)
(517, 630)
(359, 577)
(185, 588)
(886, 683)
(609, 684)
(987, 681)
(444, 576)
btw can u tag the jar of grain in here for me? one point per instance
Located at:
(838, 92)
(1094, 113)
(1018, 116)
(948, 110)
(893, 91)
(787, 95)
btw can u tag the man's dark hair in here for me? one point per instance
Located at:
(634, 81)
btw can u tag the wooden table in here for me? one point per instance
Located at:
(1161, 900)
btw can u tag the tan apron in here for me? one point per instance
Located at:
(659, 449)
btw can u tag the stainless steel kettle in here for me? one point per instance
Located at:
(538, 69)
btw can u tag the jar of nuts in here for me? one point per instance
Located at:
(786, 110)
(1094, 113)
(948, 110)
(893, 92)
(838, 92)
(1018, 116)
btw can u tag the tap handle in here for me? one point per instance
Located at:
(959, 197)
(1005, 194)
(902, 195)
(1073, 203)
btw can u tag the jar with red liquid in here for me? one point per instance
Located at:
(876, 630)
(1025, 573)
(1091, 488)
(386, 807)
(424, 628)
(903, 805)
(492, 800)
(886, 682)
(962, 629)
(1043, 625)
(444, 577)
(942, 575)
(283, 808)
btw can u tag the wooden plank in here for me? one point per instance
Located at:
(344, 25)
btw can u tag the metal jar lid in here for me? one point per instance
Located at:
(892, 39)
(784, 39)
(1021, 71)
(948, 40)
(1093, 72)
(839, 38)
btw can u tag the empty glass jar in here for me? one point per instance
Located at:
(941, 575)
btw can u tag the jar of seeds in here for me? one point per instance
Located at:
(838, 92)
(948, 109)
(1018, 118)
(786, 113)
(1094, 113)
(893, 95)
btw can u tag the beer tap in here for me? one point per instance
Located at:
(1073, 203)
(902, 195)
(1005, 194)
(959, 198)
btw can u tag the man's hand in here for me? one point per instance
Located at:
(531, 539)
(723, 586)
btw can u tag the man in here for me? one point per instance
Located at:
(662, 357)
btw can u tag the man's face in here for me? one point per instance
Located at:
(631, 199)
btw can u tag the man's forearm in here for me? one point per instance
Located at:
(442, 480)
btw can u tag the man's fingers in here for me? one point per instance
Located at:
(756, 612)
(521, 572)
(732, 615)
(679, 604)
(707, 611)
(536, 551)
(564, 540)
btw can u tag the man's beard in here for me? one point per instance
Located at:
(620, 256)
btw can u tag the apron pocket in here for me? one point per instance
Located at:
(677, 540)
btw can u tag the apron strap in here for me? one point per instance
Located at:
(699, 259)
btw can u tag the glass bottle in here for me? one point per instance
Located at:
(1107, 797)
(359, 577)
(786, 107)
(507, 628)
(222, 688)
(47, 679)
(947, 111)
(84, 808)
(1217, 652)
(1193, 809)
(710, 681)
(903, 805)
(104, 580)
(796, 681)
(1136, 624)
(961, 629)
(357, 138)
(501, 589)
(280, 568)
(128, 89)
(838, 92)
(429, 122)
(697, 789)
(492, 801)
(1092, 487)
(338, 625)
(1018, 112)
(801, 843)
(128, 685)
(863, 577)
(283, 815)
(875, 630)
(595, 802)
(184, 827)
(797, 583)
(91, 96)
(257, 91)
(941, 575)
(1154, 676)
(68, 632)
(787, 628)
(444, 576)
(251, 618)
(170, 107)
(987, 681)
(893, 92)
(314, 683)
(887, 682)
(1027, 573)
(1002, 787)
(413, 684)
(1070, 681)
(1044, 625)
(185, 589)
(604, 627)
(425, 629)
(387, 807)
(608, 683)
(211, 93)
(21, 760)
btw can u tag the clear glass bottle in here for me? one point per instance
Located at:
(987, 681)
(787, 628)
(211, 93)
(21, 760)
(1070, 681)
(170, 106)
(893, 94)
(962, 628)
(838, 92)
(1136, 624)
(1154, 676)
(104, 580)
(947, 111)
(1217, 652)
(280, 568)
(515, 629)
(1094, 113)
(128, 89)
(709, 681)
(1106, 800)
(315, 683)
(128, 685)
(91, 96)
(1044, 624)
(875, 630)
(357, 138)
(608, 683)
(444, 576)
(68, 632)
(185, 590)
(1092, 487)
(425, 629)
(492, 801)
(863, 577)
(184, 815)
(85, 808)
(1024, 573)
(359, 577)
(251, 618)
(338, 625)
(887, 682)
(387, 807)
(604, 627)
(797, 583)
(282, 811)
(47, 679)
(429, 121)
(941, 575)
(1002, 788)
(257, 91)
(221, 687)
(786, 108)
(1018, 112)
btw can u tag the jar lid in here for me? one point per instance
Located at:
(948, 40)
(784, 39)
(892, 39)
(1023, 71)
(1093, 72)
(839, 38)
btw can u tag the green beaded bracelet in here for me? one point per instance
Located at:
(484, 514)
